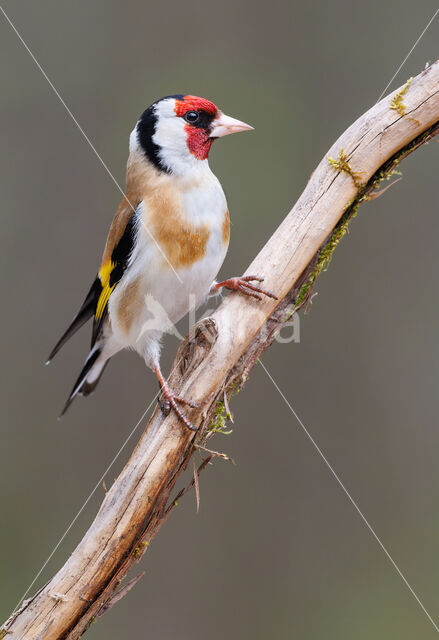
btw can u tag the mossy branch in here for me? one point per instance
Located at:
(366, 192)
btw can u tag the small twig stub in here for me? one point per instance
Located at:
(197, 486)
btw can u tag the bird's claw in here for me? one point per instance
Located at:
(244, 285)
(165, 406)
(170, 401)
(188, 403)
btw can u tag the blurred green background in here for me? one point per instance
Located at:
(277, 549)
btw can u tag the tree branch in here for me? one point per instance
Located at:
(215, 360)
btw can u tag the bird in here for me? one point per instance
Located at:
(166, 244)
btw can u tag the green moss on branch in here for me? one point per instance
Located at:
(341, 164)
(218, 423)
(397, 102)
(386, 171)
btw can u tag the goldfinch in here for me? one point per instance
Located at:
(166, 244)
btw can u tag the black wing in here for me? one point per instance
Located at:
(111, 272)
(96, 303)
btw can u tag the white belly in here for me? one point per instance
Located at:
(171, 294)
(164, 292)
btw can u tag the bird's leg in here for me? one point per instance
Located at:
(244, 285)
(172, 400)
(164, 405)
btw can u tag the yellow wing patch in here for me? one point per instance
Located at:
(104, 277)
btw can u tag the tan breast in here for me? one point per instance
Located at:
(182, 242)
(130, 305)
(226, 228)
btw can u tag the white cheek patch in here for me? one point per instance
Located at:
(171, 138)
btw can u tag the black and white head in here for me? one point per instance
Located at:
(177, 132)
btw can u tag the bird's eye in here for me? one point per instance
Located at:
(191, 116)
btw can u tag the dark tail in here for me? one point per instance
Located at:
(88, 378)
(85, 313)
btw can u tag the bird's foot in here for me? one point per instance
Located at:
(171, 401)
(244, 285)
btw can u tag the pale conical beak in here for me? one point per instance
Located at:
(224, 125)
